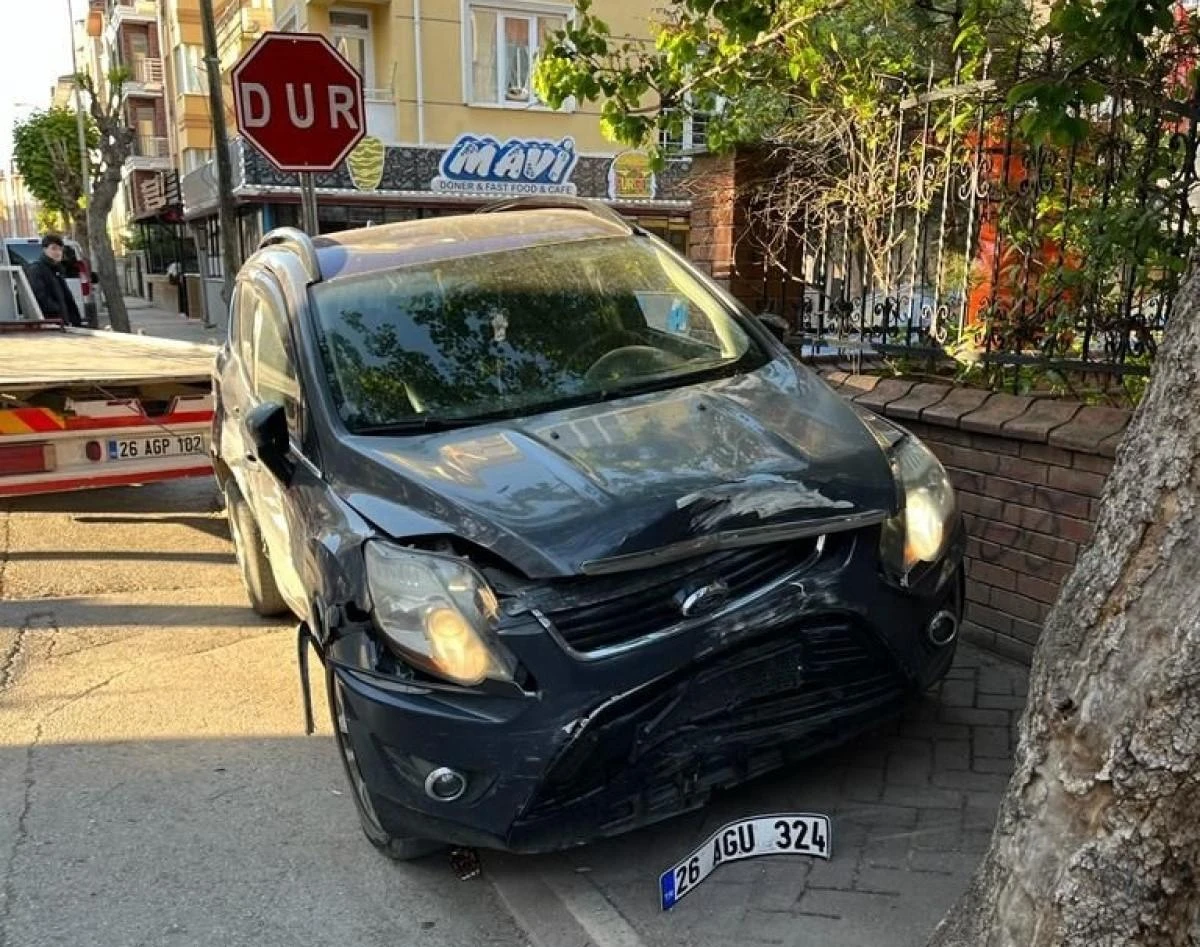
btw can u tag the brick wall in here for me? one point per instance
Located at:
(1028, 473)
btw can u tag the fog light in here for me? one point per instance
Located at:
(942, 629)
(95, 453)
(445, 784)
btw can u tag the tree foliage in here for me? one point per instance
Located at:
(1089, 92)
(46, 151)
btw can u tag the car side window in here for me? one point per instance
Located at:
(274, 370)
(241, 326)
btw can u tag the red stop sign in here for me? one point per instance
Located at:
(298, 101)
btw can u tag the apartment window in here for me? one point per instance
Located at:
(692, 136)
(191, 75)
(351, 34)
(288, 21)
(196, 158)
(503, 45)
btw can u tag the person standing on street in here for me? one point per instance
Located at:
(46, 279)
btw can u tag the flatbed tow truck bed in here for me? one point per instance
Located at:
(81, 408)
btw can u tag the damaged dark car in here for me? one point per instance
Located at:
(576, 539)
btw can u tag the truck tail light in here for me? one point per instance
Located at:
(26, 459)
(85, 278)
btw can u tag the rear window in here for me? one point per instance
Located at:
(20, 254)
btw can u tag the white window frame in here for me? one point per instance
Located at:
(184, 69)
(512, 9)
(288, 21)
(367, 35)
(686, 146)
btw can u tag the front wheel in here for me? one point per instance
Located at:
(398, 848)
(252, 559)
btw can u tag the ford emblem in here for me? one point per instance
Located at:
(703, 599)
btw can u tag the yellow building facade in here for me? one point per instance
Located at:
(451, 120)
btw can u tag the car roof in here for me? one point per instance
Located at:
(436, 239)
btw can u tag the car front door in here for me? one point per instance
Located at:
(273, 378)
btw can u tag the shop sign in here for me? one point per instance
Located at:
(480, 164)
(631, 178)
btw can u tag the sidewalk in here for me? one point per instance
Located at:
(146, 319)
(912, 808)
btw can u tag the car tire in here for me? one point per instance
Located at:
(252, 560)
(397, 848)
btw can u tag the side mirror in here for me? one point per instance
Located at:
(774, 324)
(268, 430)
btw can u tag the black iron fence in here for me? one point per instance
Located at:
(952, 231)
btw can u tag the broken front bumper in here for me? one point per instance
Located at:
(601, 745)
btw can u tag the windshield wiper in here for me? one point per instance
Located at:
(415, 426)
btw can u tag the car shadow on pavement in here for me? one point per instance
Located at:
(190, 495)
(99, 612)
(242, 842)
(122, 555)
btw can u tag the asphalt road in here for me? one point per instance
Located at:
(156, 786)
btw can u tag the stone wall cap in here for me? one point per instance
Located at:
(884, 393)
(923, 395)
(1043, 416)
(991, 416)
(1095, 429)
(959, 402)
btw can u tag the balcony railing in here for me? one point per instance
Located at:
(148, 71)
(148, 147)
(381, 114)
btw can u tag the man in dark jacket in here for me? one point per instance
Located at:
(46, 279)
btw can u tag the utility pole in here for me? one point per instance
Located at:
(85, 163)
(216, 104)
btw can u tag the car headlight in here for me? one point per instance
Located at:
(438, 613)
(923, 528)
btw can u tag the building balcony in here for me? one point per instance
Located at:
(129, 11)
(146, 78)
(381, 114)
(149, 154)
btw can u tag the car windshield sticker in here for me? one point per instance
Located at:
(785, 834)
(499, 326)
(678, 320)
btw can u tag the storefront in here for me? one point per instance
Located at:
(380, 184)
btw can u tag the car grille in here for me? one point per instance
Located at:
(606, 611)
(807, 687)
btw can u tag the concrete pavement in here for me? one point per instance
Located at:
(155, 784)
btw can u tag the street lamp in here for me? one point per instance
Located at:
(85, 165)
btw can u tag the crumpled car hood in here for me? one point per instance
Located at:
(554, 492)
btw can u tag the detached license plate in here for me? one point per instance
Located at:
(157, 445)
(795, 834)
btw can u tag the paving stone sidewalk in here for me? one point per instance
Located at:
(912, 808)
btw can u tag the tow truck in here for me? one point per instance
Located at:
(85, 408)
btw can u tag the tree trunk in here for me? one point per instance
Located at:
(105, 262)
(1098, 838)
(79, 224)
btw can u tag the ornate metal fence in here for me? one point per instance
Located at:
(991, 244)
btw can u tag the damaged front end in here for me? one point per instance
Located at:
(593, 704)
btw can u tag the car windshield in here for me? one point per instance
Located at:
(514, 332)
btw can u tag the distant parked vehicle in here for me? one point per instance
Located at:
(21, 251)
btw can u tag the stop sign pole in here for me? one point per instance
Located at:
(300, 103)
